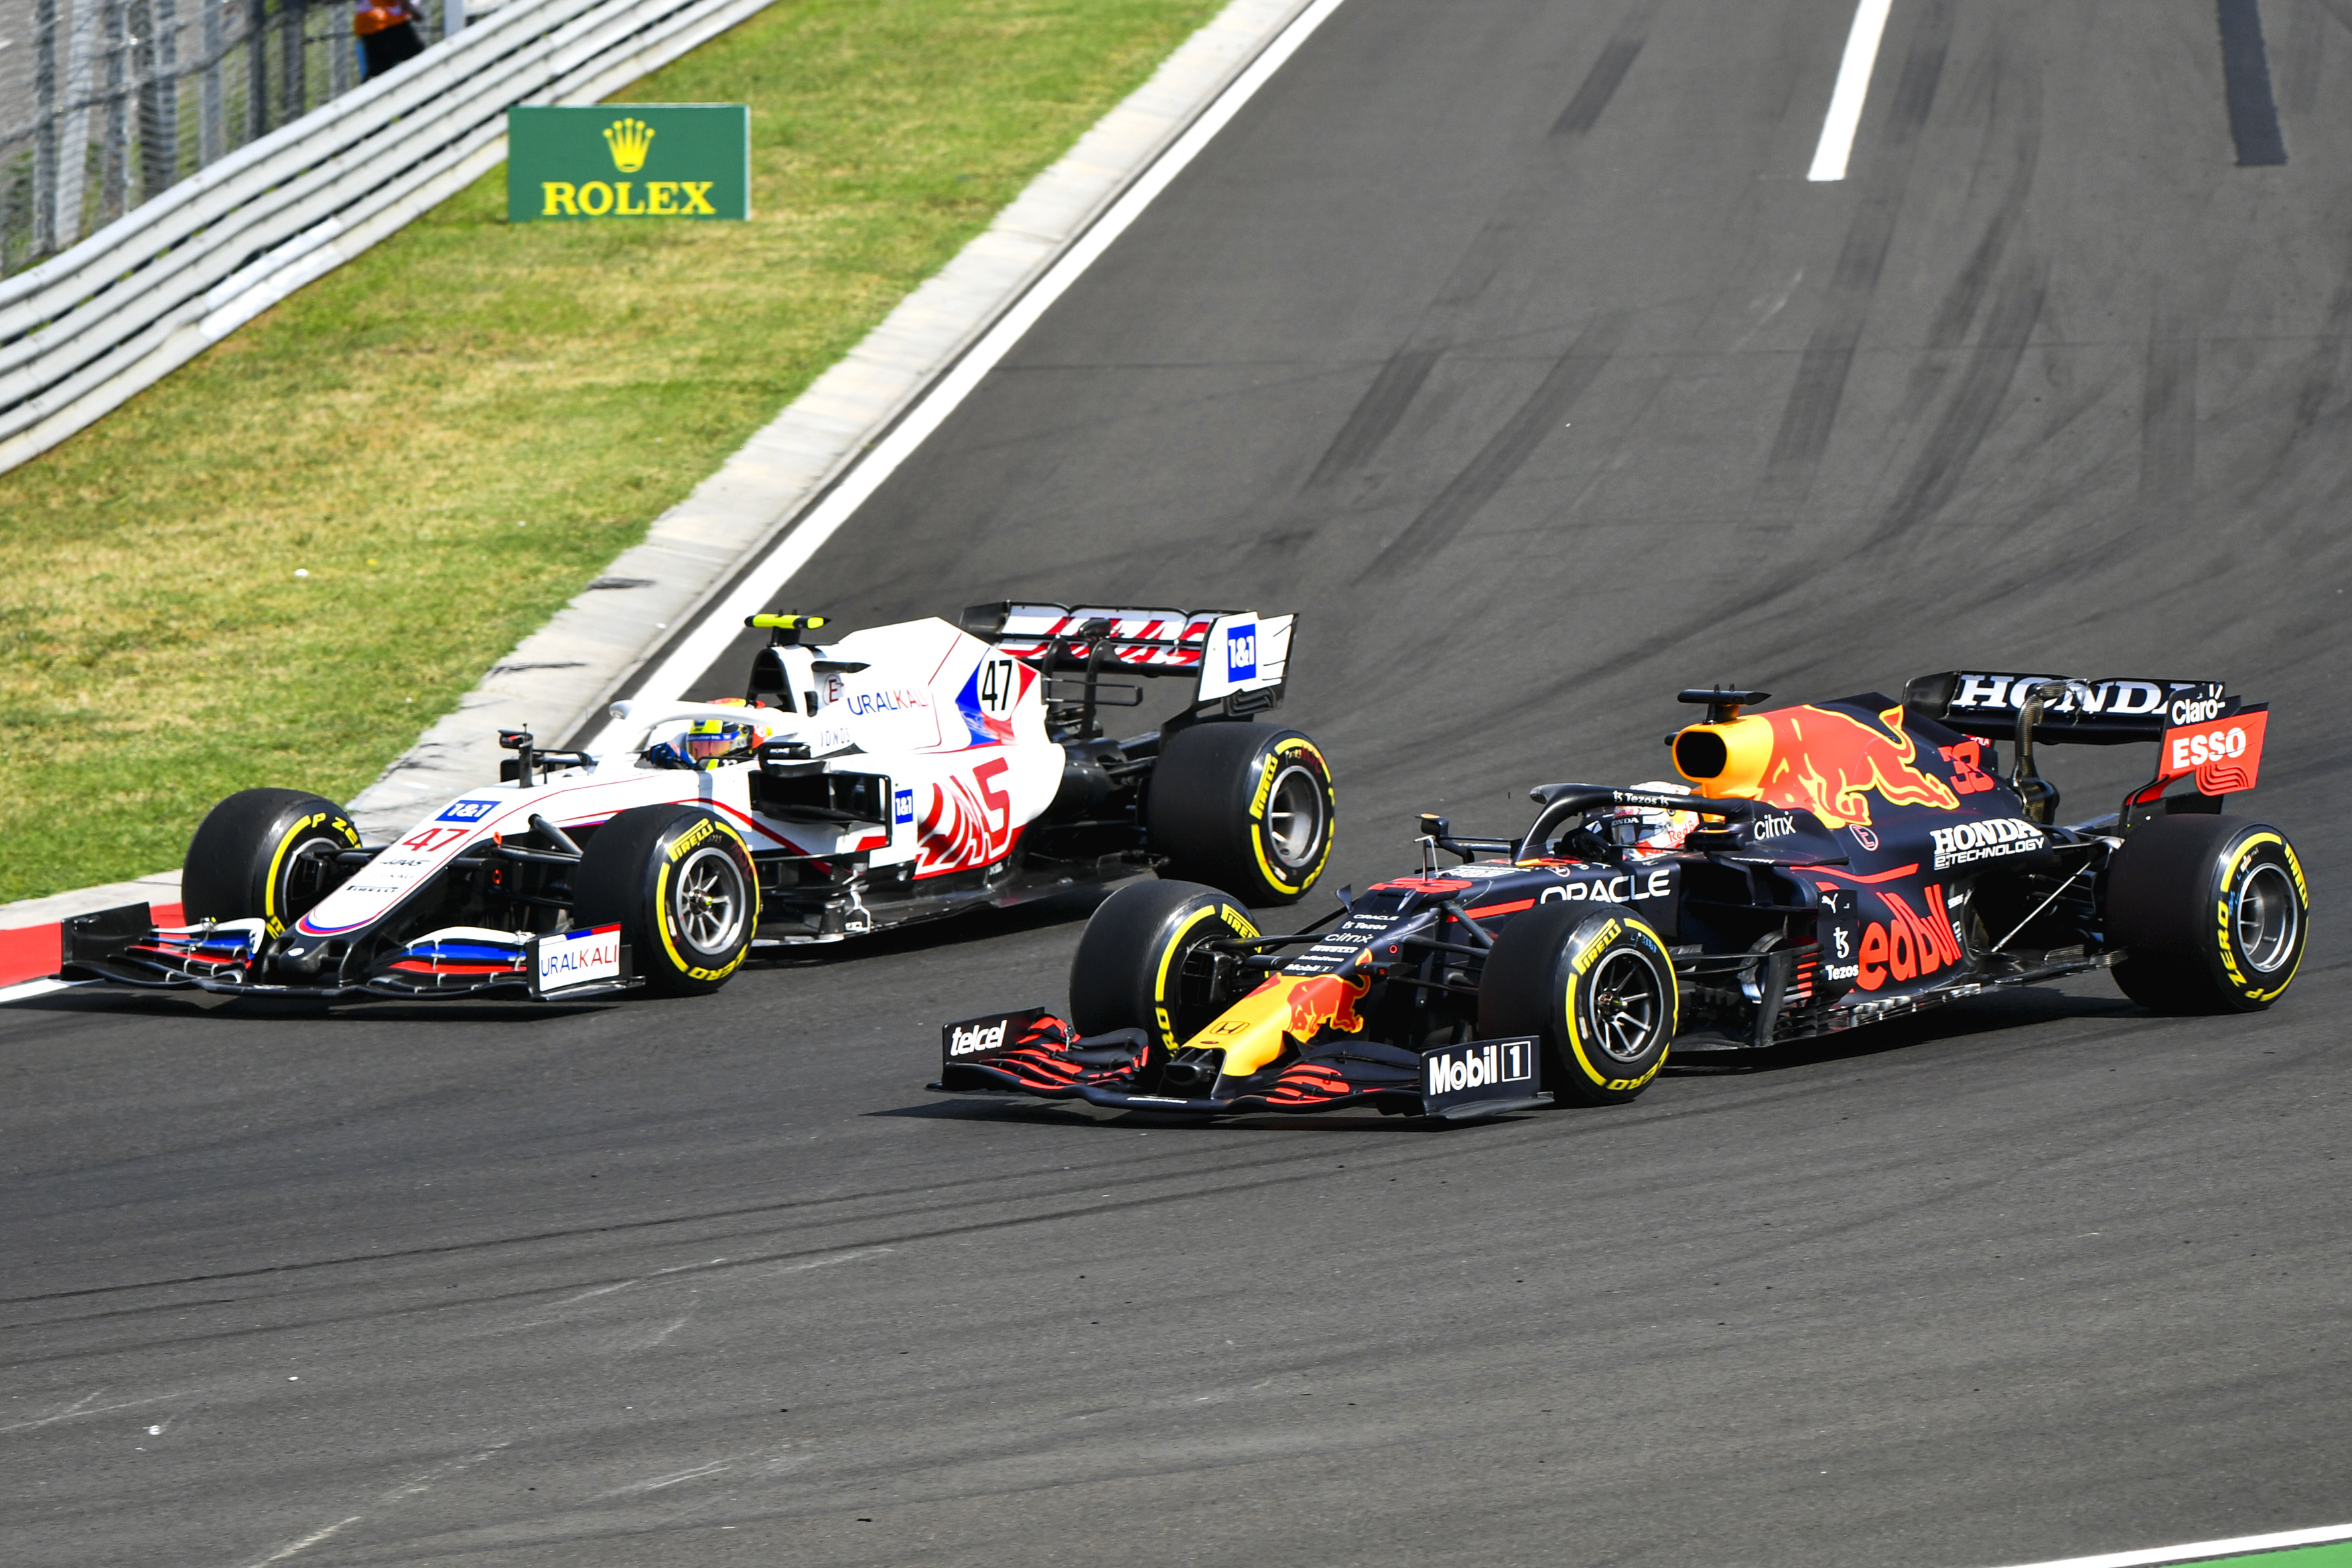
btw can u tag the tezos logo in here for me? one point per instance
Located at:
(976, 1039)
(1774, 827)
(1985, 841)
(467, 811)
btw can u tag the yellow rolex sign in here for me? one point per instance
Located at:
(629, 160)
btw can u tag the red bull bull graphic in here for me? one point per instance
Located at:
(1811, 759)
(1252, 1031)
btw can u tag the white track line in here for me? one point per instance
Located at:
(724, 621)
(2206, 1550)
(31, 989)
(1853, 87)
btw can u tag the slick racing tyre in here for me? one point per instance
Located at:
(268, 854)
(1131, 968)
(680, 882)
(1596, 986)
(1243, 808)
(2211, 913)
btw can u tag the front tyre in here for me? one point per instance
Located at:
(1246, 809)
(266, 854)
(1596, 986)
(679, 883)
(2211, 913)
(1140, 963)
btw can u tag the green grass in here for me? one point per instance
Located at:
(452, 434)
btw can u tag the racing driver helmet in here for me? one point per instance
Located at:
(1649, 830)
(708, 742)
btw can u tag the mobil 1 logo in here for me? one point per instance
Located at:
(1501, 1072)
(977, 1039)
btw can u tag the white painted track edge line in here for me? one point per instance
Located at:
(724, 620)
(2205, 1550)
(24, 991)
(1852, 91)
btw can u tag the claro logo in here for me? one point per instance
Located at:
(976, 1039)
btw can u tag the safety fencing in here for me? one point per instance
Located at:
(85, 330)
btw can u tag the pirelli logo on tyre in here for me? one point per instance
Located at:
(691, 837)
(1594, 948)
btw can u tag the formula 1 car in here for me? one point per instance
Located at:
(1828, 866)
(901, 773)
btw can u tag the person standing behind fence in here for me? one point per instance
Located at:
(387, 32)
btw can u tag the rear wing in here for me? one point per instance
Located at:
(2202, 731)
(1239, 658)
(2086, 713)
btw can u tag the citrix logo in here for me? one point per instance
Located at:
(1774, 827)
(976, 1039)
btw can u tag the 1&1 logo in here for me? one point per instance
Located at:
(1241, 653)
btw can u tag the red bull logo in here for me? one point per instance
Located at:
(1325, 1000)
(1252, 1031)
(1814, 760)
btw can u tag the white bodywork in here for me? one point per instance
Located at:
(958, 726)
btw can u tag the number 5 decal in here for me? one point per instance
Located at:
(998, 802)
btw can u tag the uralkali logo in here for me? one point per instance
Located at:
(1968, 842)
(579, 959)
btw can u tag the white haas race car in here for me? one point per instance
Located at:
(901, 773)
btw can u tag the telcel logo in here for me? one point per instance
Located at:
(976, 1039)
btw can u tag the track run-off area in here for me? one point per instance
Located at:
(1509, 343)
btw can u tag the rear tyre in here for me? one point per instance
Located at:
(266, 854)
(1131, 971)
(1596, 986)
(1246, 809)
(2211, 913)
(679, 883)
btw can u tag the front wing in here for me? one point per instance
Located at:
(1035, 1053)
(229, 958)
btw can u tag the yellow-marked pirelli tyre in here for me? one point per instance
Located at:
(1140, 963)
(266, 854)
(1595, 984)
(2211, 913)
(679, 881)
(1243, 808)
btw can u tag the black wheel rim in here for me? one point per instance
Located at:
(1629, 1005)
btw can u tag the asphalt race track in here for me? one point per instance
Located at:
(1506, 341)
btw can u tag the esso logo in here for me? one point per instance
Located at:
(2195, 710)
(2207, 746)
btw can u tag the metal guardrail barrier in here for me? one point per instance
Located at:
(83, 331)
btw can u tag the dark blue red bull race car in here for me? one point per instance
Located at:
(1818, 868)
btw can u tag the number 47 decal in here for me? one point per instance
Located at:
(998, 686)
